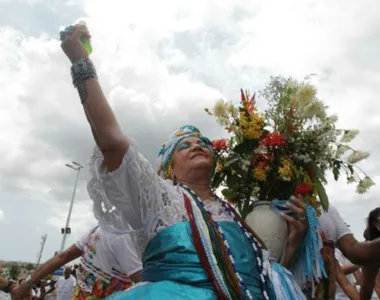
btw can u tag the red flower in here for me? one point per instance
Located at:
(262, 164)
(266, 157)
(273, 139)
(219, 144)
(303, 188)
(248, 104)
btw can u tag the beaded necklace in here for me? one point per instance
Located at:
(262, 257)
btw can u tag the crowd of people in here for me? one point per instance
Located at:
(46, 289)
(164, 234)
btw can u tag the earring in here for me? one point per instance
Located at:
(168, 174)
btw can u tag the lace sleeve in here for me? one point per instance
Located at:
(123, 197)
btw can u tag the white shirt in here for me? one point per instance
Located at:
(333, 225)
(65, 287)
(343, 261)
(106, 256)
(50, 296)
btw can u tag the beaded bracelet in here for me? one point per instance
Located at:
(81, 71)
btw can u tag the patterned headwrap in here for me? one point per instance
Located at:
(163, 166)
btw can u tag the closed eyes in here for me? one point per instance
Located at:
(186, 145)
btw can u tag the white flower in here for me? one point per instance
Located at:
(357, 156)
(364, 185)
(245, 164)
(341, 150)
(367, 182)
(308, 111)
(220, 108)
(231, 109)
(305, 95)
(351, 179)
(349, 135)
(314, 109)
(333, 118)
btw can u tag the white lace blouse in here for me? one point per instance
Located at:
(135, 199)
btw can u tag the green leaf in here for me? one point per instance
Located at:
(232, 181)
(217, 180)
(351, 168)
(228, 194)
(318, 172)
(208, 111)
(322, 194)
(336, 174)
(336, 169)
(240, 148)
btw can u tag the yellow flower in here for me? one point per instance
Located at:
(251, 126)
(219, 167)
(260, 173)
(285, 171)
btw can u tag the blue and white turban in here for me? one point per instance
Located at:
(165, 155)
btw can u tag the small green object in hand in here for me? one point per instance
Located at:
(87, 46)
(86, 43)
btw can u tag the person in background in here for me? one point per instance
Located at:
(65, 285)
(338, 235)
(50, 292)
(38, 288)
(75, 271)
(108, 263)
(30, 295)
(370, 272)
(345, 287)
(6, 285)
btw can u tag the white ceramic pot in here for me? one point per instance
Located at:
(270, 226)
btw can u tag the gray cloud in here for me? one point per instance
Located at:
(160, 68)
(36, 17)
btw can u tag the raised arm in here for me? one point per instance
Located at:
(360, 253)
(105, 128)
(346, 286)
(46, 269)
(346, 266)
(349, 269)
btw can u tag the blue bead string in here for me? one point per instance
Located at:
(308, 263)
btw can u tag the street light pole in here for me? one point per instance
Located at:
(76, 167)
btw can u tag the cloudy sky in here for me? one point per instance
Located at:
(160, 63)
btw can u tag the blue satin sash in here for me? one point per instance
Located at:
(172, 266)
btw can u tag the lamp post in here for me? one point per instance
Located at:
(76, 167)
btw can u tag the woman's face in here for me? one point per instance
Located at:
(377, 224)
(192, 153)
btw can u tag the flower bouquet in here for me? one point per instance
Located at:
(286, 150)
